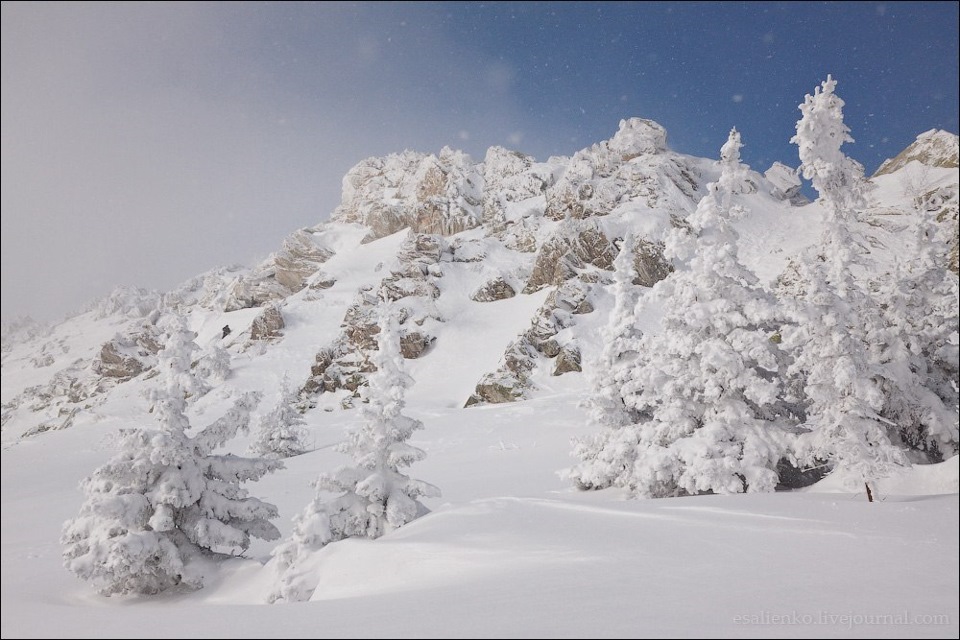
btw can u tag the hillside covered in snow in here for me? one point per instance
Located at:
(505, 277)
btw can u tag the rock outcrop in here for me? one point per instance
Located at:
(568, 359)
(496, 289)
(284, 273)
(268, 325)
(934, 148)
(511, 381)
(423, 192)
(411, 284)
(575, 245)
(648, 262)
(785, 184)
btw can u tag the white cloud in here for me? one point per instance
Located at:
(146, 143)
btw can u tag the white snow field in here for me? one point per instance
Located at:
(512, 550)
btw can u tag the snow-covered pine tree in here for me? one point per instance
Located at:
(841, 383)
(920, 352)
(608, 453)
(175, 363)
(214, 364)
(706, 384)
(281, 433)
(375, 496)
(165, 503)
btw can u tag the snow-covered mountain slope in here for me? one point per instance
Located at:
(503, 271)
(934, 148)
(502, 267)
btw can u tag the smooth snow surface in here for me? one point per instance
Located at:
(511, 550)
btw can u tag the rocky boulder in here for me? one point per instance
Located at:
(784, 182)
(268, 325)
(496, 389)
(568, 359)
(649, 263)
(300, 257)
(128, 355)
(572, 248)
(113, 364)
(414, 344)
(496, 289)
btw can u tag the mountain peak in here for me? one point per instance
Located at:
(934, 148)
(638, 136)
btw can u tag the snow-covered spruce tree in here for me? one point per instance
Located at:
(706, 383)
(841, 383)
(375, 496)
(164, 504)
(281, 433)
(214, 364)
(175, 362)
(607, 454)
(920, 352)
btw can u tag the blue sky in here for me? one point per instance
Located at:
(145, 143)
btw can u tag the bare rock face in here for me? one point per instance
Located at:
(934, 148)
(284, 273)
(321, 281)
(300, 257)
(414, 344)
(113, 364)
(319, 380)
(509, 177)
(633, 164)
(397, 287)
(268, 325)
(254, 290)
(467, 251)
(127, 356)
(411, 284)
(648, 263)
(511, 381)
(571, 297)
(572, 248)
(496, 289)
(493, 389)
(568, 359)
(549, 347)
(426, 193)
(785, 182)
(944, 203)
(359, 324)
